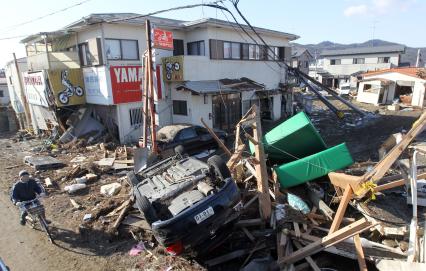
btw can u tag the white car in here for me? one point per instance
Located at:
(344, 89)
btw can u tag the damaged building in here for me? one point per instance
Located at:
(107, 50)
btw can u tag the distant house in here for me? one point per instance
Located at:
(384, 86)
(300, 58)
(345, 66)
(4, 93)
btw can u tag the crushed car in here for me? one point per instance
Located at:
(190, 138)
(189, 204)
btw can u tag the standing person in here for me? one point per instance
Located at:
(25, 189)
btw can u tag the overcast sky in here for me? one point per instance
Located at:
(342, 21)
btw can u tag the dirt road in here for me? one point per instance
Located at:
(23, 248)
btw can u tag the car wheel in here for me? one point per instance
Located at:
(146, 208)
(219, 166)
(180, 150)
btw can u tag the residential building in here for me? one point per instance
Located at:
(4, 93)
(385, 86)
(345, 66)
(301, 58)
(15, 88)
(108, 49)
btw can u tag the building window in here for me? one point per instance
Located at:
(84, 54)
(121, 49)
(236, 50)
(135, 116)
(244, 51)
(180, 108)
(384, 60)
(306, 64)
(1, 93)
(335, 61)
(358, 61)
(252, 51)
(196, 48)
(178, 47)
(226, 50)
(216, 49)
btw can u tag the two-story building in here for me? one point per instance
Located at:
(301, 58)
(212, 71)
(345, 66)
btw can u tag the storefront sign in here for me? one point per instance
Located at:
(172, 68)
(67, 87)
(162, 39)
(35, 88)
(126, 83)
(96, 83)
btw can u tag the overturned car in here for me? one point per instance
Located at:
(191, 205)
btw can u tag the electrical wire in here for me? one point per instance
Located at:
(12, 27)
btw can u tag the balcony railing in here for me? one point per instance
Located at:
(53, 60)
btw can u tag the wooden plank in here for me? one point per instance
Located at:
(212, 133)
(327, 241)
(235, 157)
(360, 253)
(250, 222)
(296, 229)
(395, 183)
(261, 173)
(281, 242)
(253, 199)
(320, 204)
(248, 234)
(308, 258)
(347, 195)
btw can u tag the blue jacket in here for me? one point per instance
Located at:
(26, 191)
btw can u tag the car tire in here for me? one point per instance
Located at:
(179, 150)
(219, 166)
(133, 179)
(146, 208)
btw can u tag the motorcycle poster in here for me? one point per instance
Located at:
(67, 87)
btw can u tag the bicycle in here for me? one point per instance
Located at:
(35, 213)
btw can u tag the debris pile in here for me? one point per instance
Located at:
(303, 202)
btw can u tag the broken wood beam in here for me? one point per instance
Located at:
(311, 262)
(250, 222)
(219, 142)
(261, 170)
(235, 157)
(360, 253)
(347, 195)
(327, 241)
(395, 183)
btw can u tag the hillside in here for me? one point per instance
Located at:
(410, 55)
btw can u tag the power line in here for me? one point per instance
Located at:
(44, 16)
(211, 4)
(14, 37)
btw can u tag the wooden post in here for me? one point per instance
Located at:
(341, 210)
(154, 148)
(145, 104)
(261, 173)
(23, 97)
(212, 133)
(360, 253)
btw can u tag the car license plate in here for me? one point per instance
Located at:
(204, 215)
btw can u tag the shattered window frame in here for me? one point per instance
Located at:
(135, 115)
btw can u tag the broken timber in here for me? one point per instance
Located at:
(212, 133)
(327, 241)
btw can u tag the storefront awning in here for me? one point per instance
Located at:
(220, 86)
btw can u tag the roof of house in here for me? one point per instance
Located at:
(365, 50)
(219, 86)
(138, 19)
(410, 71)
(298, 51)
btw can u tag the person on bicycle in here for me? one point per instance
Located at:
(25, 189)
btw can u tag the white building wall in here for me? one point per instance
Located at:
(276, 106)
(202, 110)
(13, 85)
(5, 93)
(182, 96)
(371, 63)
(127, 132)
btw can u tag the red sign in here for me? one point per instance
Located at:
(163, 39)
(126, 83)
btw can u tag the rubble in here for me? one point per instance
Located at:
(280, 225)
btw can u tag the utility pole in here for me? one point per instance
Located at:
(150, 90)
(145, 102)
(23, 98)
(418, 58)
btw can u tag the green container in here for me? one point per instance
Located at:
(313, 166)
(293, 139)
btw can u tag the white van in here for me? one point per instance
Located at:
(344, 89)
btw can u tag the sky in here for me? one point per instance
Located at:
(341, 21)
